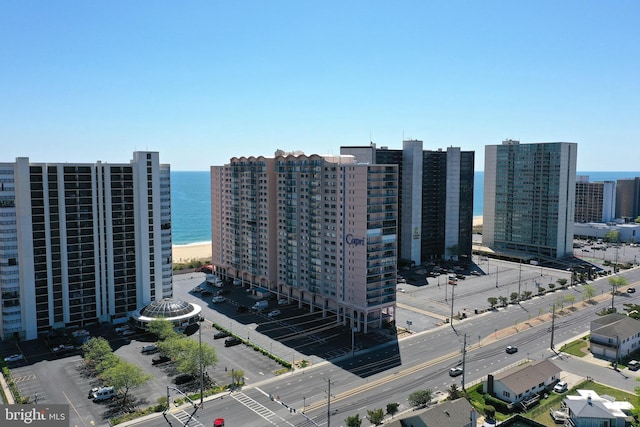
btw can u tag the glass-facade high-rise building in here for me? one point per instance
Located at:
(435, 198)
(529, 198)
(82, 243)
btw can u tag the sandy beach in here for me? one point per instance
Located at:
(185, 253)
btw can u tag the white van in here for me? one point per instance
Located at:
(260, 305)
(104, 393)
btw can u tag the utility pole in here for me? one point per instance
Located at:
(200, 361)
(519, 279)
(464, 355)
(328, 402)
(453, 287)
(553, 323)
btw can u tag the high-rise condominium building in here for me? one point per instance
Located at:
(82, 243)
(628, 199)
(529, 198)
(435, 199)
(320, 230)
(595, 201)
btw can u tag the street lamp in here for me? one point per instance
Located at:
(353, 341)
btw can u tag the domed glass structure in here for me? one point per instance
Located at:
(180, 313)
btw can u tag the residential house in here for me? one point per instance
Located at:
(614, 336)
(450, 413)
(522, 382)
(589, 409)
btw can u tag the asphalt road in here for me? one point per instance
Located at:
(367, 379)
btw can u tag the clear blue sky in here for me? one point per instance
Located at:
(203, 81)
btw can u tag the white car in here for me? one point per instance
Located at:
(80, 333)
(14, 357)
(561, 387)
(218, 299)
(127, 333)
(283, 301)
(274, 313)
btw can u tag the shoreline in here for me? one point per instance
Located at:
(191, 252)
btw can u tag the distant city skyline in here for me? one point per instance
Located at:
(207, 81)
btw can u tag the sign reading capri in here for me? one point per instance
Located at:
(353, 241)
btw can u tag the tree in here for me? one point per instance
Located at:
(353, 421)
(236, 376)
(514, 297)
(95, 351)
(492, 301)
(125, 376)
(526, 295)
(569, 299)
(392, 408)
(454, 392)
(612, 236)
(187, 353)
(162, 328)
(376, 416)
(617, 281)
(503, 301)
(107, 362)
(420, 398)
(562, 282)
(637, 220)
(588, 292)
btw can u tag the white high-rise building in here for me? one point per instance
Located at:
(529, 198)
(82, 243)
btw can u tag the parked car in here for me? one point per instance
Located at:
(80, 333)
(150, 349)
(454, 372)
(633, 365)
(183, 379)
(128, 332)
(63, 348)
(121, 329)
(283, 301)
(242, 309)
(511, 349)
(218, 299)
(221, 334)
(223, 292)
(274, 313)
(476, 273)
(14, 357)
(231, 341)
(561, 387)
(631, 290)
(206, 293)
(219, 422)
(160, 359)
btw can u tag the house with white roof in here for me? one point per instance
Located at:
(588, 409)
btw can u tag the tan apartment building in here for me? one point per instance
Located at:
(318, 229)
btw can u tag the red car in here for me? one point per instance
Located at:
(219, 422)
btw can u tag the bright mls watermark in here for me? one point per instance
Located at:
(34, 415)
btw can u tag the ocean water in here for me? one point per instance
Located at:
(191, 205)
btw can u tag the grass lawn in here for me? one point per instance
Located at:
(577, 348)
(540, 413)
